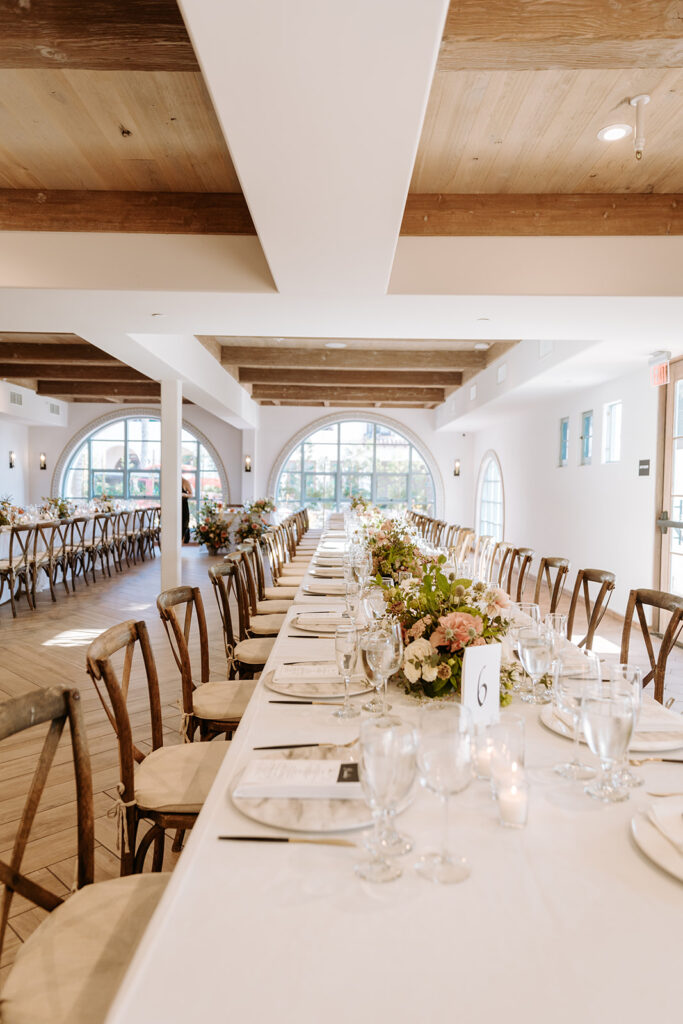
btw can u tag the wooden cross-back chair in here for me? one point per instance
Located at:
(481, 547)
(464, 544)
(278, 591)
(519, 565)
(100, 544)
(499, 562)
(244, 655)
(594, 608)
(251, 625)
(213, 707)
(450, 534)
(638, 602)
(552, 573)
(17, 569)
(438, 528)
(165, 787)
(55, 540)
(71, 967)
(250, 555)
(78, 551)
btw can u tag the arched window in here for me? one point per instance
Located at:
(491, 503)
(123, 458)
(325, 469)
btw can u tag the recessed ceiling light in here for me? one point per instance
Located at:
(157, 314)
(483, 318)
(335, 344)
(482, 346)
(614, 132)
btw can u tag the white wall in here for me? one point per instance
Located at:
(279, 425)
(14, 437)
(599, 516)
(226, 440)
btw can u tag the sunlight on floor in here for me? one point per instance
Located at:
(72, 638)
(601, 645)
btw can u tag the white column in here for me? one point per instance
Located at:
(171, 432)
(248, 452)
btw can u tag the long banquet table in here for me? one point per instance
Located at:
(563, 921)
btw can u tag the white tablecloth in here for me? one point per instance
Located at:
(563, 921)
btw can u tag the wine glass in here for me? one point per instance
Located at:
(445, 764)
(556, 625)
(386, 767)
(375, 705)
(535, 654)
(573, 674)
(352, 595)
(608, 726)
(384, 656)
(346, 652)
(362, 567)
(375, 605)
(628, 679)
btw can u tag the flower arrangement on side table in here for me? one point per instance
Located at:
(211, 528)
(440, 618)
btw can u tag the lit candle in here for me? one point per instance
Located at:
(484, 762)
(513, 804)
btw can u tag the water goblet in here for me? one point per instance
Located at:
(573, 674)
(352, 595)
(556, 625)
(607, 720)
(346, 652)
(628, 679)
(387, 766)
(375, 605)
(445, 765)
(535, 654)
(384, 656)
(375, 705)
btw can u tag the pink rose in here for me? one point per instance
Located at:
(500, 601)
(456, 631)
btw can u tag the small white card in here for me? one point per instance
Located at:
(480, 687)
(300, 780)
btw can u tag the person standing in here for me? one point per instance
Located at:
(186, 491)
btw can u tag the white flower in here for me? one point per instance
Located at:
(429, 673)
(412, 674)
(418, 650)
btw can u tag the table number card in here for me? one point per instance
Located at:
(480, 688)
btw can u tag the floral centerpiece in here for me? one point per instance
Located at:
(252, 526)
(440, 618)
(104, 502)
(6, 510)
(211, 528)
(262, 507)
(358, 503)
(394, 549)
(60, 507)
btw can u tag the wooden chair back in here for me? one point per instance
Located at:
(519, 565)
(56, 705)
(223, 578)
(499, 561)
(450, 534)
(437, 532)
(185, 603)
(464, 544)
(249, 575)
(552, 572)
(595, 607)
(481, 546)
(638, 602)
(22, 542)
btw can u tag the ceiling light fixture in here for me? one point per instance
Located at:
(482, 346)
(640, 102)
(335, 344)
(614, 132)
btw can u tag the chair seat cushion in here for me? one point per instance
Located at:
(275, 593)
(291, 581)
(273, 607)
(70, 969)
(254, 651)
(222, 701)
(178, 778)
(266, 625)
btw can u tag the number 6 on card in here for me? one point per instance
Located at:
(480, 686)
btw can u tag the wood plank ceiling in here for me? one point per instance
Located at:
(65, 366)
(106, 125)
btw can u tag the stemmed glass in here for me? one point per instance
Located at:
(445, 763)
(535, 654)
(375, 605)
(346, 652)
(628, 680)
(533, 612)
(352, 595)
(375, 705)
(574, 673)
(556, 625)
(608, 725)
(386, 766)
(362, 566)
(384, 656)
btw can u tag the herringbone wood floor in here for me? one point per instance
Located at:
(48, 646)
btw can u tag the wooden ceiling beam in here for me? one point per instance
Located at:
(353, 358)
(541, 214)
(69, 371)
(178, 213)
(35, 352)
(518, 35)
(397, 378)
(99, 389)
(100, 35)
(376, 393)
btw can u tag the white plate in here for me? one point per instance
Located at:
(322, 589)
(322, 690)
(638, 744)
(320, 627)
(655, 846)
(305, 815)
(328, 572)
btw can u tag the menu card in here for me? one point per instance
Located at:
(311, 672)
(300, 780)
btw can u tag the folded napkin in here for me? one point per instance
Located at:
(328, 571)
(329, 560)
(300, 780)
(668, 821)
(316, 622)
(312, 672)
(328, 587)
(653, 718)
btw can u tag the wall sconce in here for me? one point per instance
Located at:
(247, 463)
(12, 459)
(43, 460)
(456, 467)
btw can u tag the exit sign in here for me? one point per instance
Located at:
(659, 369)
